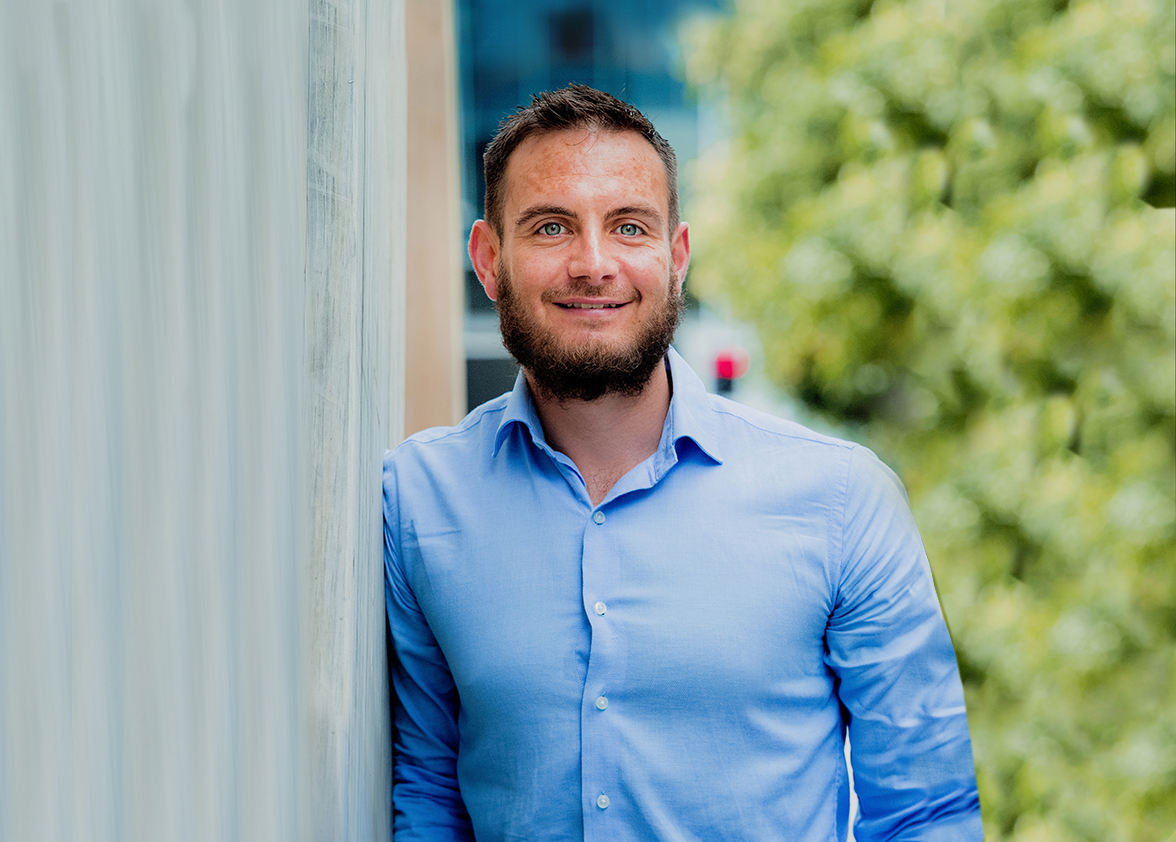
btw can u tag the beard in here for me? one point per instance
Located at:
(591, 370)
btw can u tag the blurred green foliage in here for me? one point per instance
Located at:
(951, 222)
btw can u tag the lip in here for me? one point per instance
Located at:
(590, 305)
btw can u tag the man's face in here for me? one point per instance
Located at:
(587, 277)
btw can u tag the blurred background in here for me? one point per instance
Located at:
(232, 273)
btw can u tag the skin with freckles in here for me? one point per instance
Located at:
(589, 269)
(585, 251)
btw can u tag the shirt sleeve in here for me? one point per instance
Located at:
(426, 799)
(888, 645)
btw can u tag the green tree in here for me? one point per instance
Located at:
(951, 222)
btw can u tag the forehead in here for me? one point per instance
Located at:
(582, 164)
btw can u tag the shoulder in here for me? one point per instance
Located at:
(436, 470)
(462, 439)
(759, 434)
(843, 473)
(439, 460)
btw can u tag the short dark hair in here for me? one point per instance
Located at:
(573, 107)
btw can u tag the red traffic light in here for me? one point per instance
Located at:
(731, 363)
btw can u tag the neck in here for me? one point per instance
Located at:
(607, 437)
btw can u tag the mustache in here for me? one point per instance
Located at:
(583, 289)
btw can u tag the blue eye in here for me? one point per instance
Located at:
(628, 229)
(551, 229)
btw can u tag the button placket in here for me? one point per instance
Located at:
(601, 571)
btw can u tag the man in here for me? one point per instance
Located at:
(623, 608)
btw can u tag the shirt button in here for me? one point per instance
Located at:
(598, 517)
(600, 608)
(601, 702)
(602, 802)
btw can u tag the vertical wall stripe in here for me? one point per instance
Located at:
(201, 275)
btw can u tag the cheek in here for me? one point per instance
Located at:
(653, 275)
(535, 272)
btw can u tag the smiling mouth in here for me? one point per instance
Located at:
(590, 306)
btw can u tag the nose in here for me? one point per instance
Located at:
(592, 259)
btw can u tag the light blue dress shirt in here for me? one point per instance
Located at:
(680, 662)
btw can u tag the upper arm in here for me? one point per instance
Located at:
(426, 798)
(888, 644)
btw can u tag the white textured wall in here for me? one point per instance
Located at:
(201, 207)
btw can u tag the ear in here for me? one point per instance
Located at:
(484, 256)
(680, 253)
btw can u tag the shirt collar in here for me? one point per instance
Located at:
(520, 410)
(690, 415)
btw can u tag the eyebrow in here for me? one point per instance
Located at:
(643, 211)
(542, 210)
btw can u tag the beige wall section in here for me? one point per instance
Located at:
(435, 390)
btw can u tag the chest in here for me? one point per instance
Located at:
(674, 594)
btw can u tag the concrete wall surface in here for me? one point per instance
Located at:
(201, 334)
